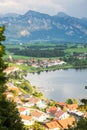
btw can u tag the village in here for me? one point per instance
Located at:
(36, 63)
(35, 108)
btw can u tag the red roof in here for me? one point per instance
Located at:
(37, 113)
(59, 113)
(67, 122)
(21, 109)
(61, 104)
(52, 110)
(25, 117)
(34, 100)
(52, 124)
(72, 106)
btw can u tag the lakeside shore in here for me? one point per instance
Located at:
(31, 69)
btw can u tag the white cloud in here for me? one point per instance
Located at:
(9, 6)
(45, 6)
(72, 7)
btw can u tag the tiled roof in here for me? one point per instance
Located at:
(61, 104)
(37, 113)
(52, 109)
(11, 69)
(25, 117)
(67, 122)
(34, 100)
(52, 124)
(21, 109)
(72, 106)
(59, 113)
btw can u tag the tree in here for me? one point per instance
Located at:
(9, 115)
(71, 101)
(37, 126)
(82, 124)
(84, 101)
(26, 86)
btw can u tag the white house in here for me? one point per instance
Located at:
(27, 120)
(28, 104)
(61, 115)
(39, 116)
(41, 104)
(24, 111)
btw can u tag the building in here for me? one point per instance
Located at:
(27, 120)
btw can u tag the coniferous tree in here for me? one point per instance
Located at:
(9, 115)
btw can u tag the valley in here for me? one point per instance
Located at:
(46, 57)
(43, 65)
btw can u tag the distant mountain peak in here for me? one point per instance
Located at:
(31, 12)
(35, 14)
(61, 14)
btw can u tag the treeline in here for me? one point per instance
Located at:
(37, 52)
(77, 63)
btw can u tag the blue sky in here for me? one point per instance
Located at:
(76, 8)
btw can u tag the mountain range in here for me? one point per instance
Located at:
(36, 26)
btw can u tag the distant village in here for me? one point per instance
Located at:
(50, 114)
(38, 63)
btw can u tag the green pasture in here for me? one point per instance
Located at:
(78, 50)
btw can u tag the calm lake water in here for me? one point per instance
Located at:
(61, 84)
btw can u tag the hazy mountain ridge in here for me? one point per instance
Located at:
(37, 26)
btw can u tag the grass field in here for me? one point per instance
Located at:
(78, 50)
(67, 48)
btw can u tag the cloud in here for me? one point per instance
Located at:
(9, 6)
(71, 7)
(77, 8)
(45, 6)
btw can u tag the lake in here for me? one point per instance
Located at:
(61, 84)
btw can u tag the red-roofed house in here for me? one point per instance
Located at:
(67, 122)
(61, 104)
(27, 120)
(52, 125)
(33, 100)
(61, 115)
(39, 115)
(24, 110)
(52, 110)
(11, 69)
(72, 106)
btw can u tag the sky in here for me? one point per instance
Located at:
(75, 8)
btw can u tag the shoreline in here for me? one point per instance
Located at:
(52, 68)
